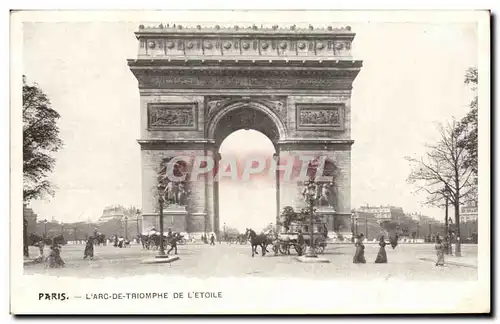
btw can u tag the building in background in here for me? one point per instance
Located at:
(424, 226)
(375, 220)
(119, 220)
(30, 218)
(112, 213)
(468, 222)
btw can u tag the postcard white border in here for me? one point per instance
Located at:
(276, 296)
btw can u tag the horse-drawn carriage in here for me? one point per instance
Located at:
(289, 238)
(151, 240)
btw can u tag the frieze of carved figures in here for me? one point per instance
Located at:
(170, 116)
(320, 117)
(215, 104)
(324, 193)
(279, 107)
(222, 81)
(170, 44)
(175, 192)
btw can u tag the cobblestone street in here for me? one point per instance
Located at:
(411, 262)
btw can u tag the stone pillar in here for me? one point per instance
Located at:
(288, 185)
(213, 190)
(201, 198)
(290, 189)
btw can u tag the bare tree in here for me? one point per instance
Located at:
(444, 172)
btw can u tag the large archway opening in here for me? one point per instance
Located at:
(246, 134)
(247, 202)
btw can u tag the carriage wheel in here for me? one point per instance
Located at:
(320, 249)
(298, 249)
(282, 249)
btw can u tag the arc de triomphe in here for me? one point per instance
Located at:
(198, 85)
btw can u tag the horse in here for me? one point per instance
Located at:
(394, 241)
(100, 239)
(257, 240)
(144, 241)
(35, 240)
(59, 240)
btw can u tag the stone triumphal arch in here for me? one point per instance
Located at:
(198, 85)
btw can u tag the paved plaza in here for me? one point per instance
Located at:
(410, 262)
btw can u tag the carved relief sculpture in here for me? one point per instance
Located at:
(164, 116)
(320, 115)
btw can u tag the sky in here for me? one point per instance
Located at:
(411, 79)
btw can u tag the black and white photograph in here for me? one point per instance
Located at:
(250, 162)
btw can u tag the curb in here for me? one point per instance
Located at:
(454, 263)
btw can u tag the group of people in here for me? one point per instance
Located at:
(54, 259)
(359, 255)
(205, 240)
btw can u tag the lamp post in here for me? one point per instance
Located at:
(446, 227)
(366, 226)
(126, 227)
(311, 198)
(25, 237)
(225, 232)
(45, 228)
(137, 214)
(161, 191)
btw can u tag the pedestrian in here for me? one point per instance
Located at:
(89, 249)
(212, 239)
(359, 256)
(300, 243)
(439, 252)
(173, 243)
(54, 258)
(41, 245)
(116, 240)
(382, 255)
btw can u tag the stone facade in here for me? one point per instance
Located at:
(199, 85)
(31, 218)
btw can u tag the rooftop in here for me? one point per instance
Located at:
(249, 29)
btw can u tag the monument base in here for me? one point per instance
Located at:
(338, 223)
(316, 259)
(174, 218)
(159, 259)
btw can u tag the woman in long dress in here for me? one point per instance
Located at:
(359, 256)
(54, 258)
(439, 252)
(382, 255)
(89, 248)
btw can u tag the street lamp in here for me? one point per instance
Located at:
(138, 213)
(446, 222)
(161, 192)
(45, 228)
(311, 194)
(225, 239)
(126, 227)
(25, 237)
